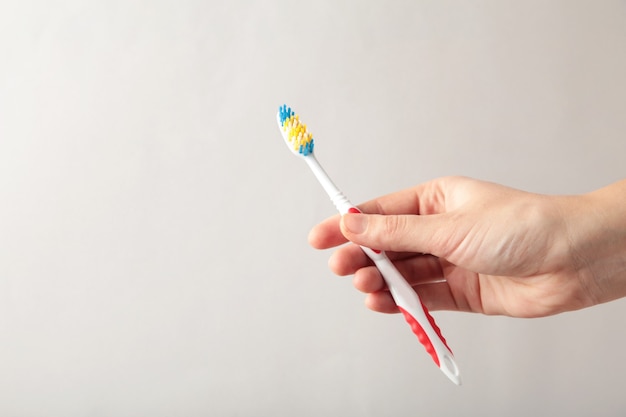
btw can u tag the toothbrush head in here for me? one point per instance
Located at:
(299, 140)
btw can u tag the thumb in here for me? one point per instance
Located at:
(398, 233)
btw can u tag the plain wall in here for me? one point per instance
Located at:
(153, 253)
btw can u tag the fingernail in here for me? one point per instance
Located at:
(355, 223)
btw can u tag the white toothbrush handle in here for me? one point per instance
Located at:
(336, 196)
(417, 316)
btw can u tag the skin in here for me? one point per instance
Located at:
(475, 246)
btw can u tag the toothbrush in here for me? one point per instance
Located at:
(301, 143)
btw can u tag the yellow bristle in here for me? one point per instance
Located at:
(296, 132)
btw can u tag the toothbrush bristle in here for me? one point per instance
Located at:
(295, 132)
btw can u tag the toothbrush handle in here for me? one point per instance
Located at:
(416, 314)
(407, 300)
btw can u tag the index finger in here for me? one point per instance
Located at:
(425, 198)
(327, 234)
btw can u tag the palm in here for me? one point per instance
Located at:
(502, 295)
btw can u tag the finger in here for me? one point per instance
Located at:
(381, 302)
(402, 233)
(436, 297)
(326, 234)
(416, 268)
(420, 270)
(425, 198)
(417, 271)
(348, 259)
(368, 280)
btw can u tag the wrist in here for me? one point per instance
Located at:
(597, 233)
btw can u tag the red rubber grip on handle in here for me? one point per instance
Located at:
(418, 330)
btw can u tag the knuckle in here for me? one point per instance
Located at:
(393, 226)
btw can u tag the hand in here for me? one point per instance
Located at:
(468, 245)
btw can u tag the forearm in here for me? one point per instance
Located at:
(597, 232)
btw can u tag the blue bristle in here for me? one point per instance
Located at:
(284, 112)
(306, 149)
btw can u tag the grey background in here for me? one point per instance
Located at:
(153, 254)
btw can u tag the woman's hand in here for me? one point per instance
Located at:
(470, 245)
